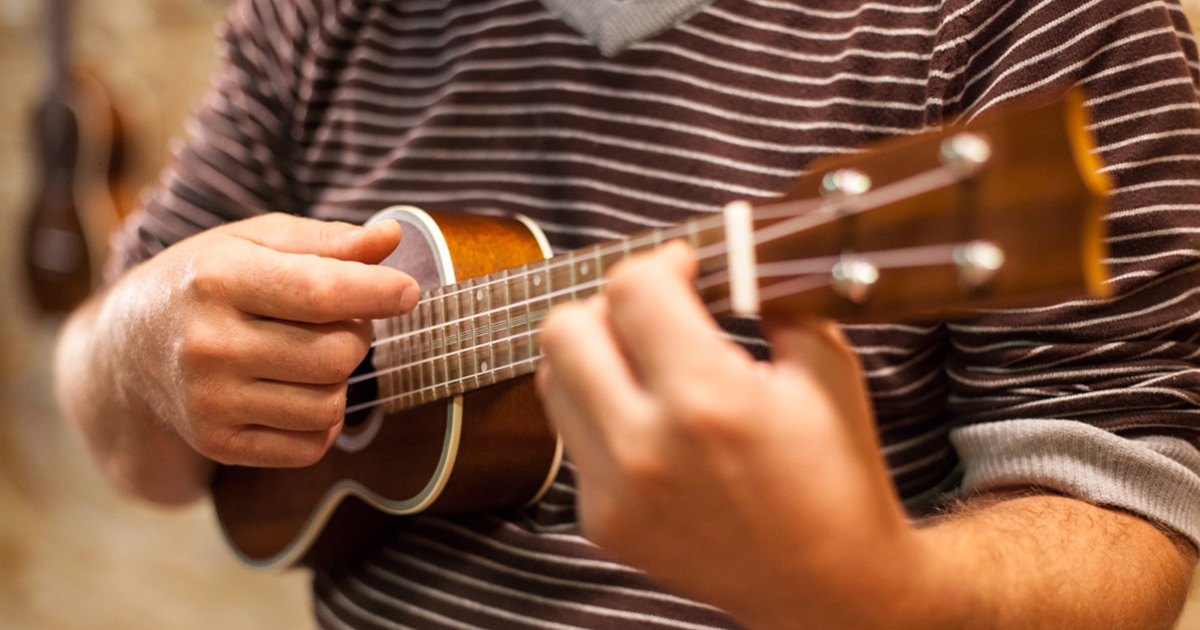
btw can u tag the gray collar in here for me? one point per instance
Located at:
(614, 25)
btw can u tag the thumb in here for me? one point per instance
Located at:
(329, 239)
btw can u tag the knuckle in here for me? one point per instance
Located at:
(706, 415)
(333, 411)
(200, 347)
(631, 276)
(208, 279)
(220, 445)
(623, 282)
(335, 364)
(319, 292)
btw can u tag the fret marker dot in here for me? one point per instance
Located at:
(537, 281)
(483, 366)
(583, 269)
(479, 294)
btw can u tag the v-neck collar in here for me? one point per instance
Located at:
(614, 25)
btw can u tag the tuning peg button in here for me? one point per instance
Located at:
(854, 277)
(966, 152)
(978, 262)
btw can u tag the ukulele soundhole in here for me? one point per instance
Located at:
(361, 393)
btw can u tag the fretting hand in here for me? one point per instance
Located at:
(758, 487)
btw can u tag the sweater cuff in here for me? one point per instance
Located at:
(1156, 477)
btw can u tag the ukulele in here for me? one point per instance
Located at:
(86, 185)
(442, 415)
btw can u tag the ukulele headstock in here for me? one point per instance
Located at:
(1004, 211)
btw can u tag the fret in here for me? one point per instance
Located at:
(432, 325)
(385, 357)
(454, 342)
(693, 236)
(502, 351)
(466, 305)
(530, 341)
(404, 376)
(538, 303)
(559, 284)
(483, 331)
(572, 281)
(439, 351)
(517, 287)
(587, 272)
(418, 356)
(704, 238)
(598, 261)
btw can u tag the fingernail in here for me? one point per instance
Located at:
(382, 226)
(408, 299)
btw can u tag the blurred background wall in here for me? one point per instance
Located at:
(72, 553)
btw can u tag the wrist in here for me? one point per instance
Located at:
(937, 596)
(906, 583)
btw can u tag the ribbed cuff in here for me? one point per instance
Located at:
(1156, 477)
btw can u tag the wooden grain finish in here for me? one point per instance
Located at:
(505, 453)
(1039, 198)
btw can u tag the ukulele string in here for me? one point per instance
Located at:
(623, 246)
(901, 258)
(798, 215)
(814, 274)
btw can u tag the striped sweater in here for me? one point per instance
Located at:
(598, 119)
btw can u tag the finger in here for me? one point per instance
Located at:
(316, 354)
(815, 352)
(308, 288)
(808, 342)
(661, 322)
(290, 406)
(328, 239)
(267, 447)
(583, 375)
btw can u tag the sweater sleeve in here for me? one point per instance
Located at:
(1093, 399)
(236, 159)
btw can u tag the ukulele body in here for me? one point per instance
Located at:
(486, 449)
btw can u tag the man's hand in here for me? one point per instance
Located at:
(757, 487)
(238, 341)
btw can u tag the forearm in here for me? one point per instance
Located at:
(1045, 561)
(132, 447)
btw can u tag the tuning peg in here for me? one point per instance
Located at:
(845, 182)
(853, 278)
(977, 262)
(965, 152)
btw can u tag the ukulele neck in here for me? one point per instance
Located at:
(931, 226)
(482, 331)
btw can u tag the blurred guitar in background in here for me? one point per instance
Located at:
(87, 175)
